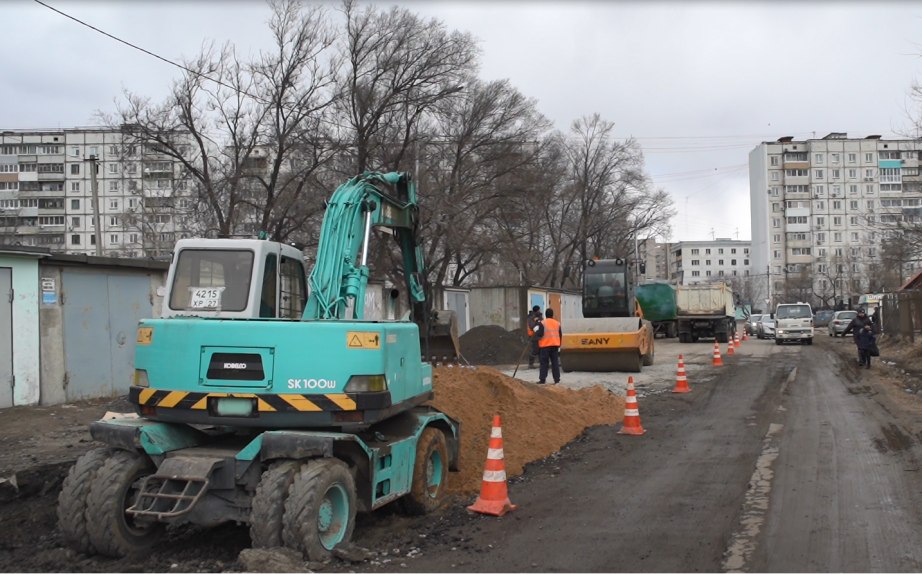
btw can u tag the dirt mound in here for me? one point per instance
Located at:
(493, 345)
(537, 420)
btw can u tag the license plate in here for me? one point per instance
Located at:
(233, 407)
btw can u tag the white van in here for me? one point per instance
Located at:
(794, 322)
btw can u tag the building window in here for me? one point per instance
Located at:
(776, 238)
(817, 174)
(776, 254)
(75, 239)
(114, 221)
(75, 222)
(852, 158)
(854, 236)
(707, 252)
(776, 222)
(853, 173)
(797, 219)
(113, 204)
(133, 238)
(868, 158)
(773, 160)
(835, 158)
(113, 150)
(75, 204)
(869, 173)
(818, 158)
(75, 169)
(75, 186)
(93, 239)
(132, 168)
(113, 239)
(837, 221)
(707, 273)
(853, 189)
(746, 262)
(132, 185)
(853, 204)
(720, 262)
(707, 262)
(696, 274)
(837, 237)
(795, 173)
(113, 168)
(696, 262)
(775, 175)
(113, 186)
(836, 174)
(800, 251)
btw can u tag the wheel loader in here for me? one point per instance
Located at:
(612, 335)
(266, 398)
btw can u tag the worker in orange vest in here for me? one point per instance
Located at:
(532, 321)
(549, 333)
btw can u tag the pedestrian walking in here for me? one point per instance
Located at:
(534, 317)
(865, 339)
(857, 325)
(549, 333)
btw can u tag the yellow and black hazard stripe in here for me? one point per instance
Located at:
(265, 402)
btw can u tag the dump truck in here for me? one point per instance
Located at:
(657, 300)
(705, 310)
(263, 402)
(613, 334)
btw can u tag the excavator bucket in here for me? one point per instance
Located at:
(606, 344)
(442, 345)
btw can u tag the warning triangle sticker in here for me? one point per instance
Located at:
(355, 341)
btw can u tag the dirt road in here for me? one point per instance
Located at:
(786, 459)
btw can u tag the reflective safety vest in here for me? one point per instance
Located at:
(551, 336)
(528, 324)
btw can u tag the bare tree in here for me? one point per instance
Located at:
(246, 133)
(605, 201)
(396, 68)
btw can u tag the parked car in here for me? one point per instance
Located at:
(751, 324)
(839, 322)
(822, 318)
(765, 328)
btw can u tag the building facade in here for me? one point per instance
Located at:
(724, 260)
(656, 258)
(821, 210)
(48, 180)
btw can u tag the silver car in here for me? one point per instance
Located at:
(839, 322)
(765, 328)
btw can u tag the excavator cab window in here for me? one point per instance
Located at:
(293, 294)
(269, 289)
(209, 279)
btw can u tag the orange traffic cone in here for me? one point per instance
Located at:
(745, 336)
(631, 424)
(681, 383)
(730, 350)
(494, 496)
(717, 362)
(736, 340)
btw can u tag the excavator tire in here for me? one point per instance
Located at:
(430, 473)
(111, 531)
(72, 500)
(320, 510)
(268, 507)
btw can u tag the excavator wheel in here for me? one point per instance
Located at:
(115, 487)
(268, 507)
(73, 499)
(430, 472)
(320, 510)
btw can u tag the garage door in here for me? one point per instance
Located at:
(101, 315)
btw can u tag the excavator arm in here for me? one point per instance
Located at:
(340, 274)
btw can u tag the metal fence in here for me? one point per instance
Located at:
(902, 314)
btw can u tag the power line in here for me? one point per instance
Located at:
(149, 53)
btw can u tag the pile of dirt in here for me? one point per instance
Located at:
(493, 345)
(537, 420)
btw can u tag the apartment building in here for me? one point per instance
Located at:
(656, 259)
(708, 261)
(47, 181)
(821, 209)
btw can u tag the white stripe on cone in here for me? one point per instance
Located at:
(631, 412)
(494, 476)
(495, 453)
(496, 433)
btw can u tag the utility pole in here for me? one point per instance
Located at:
(98, 232)
(768, 279)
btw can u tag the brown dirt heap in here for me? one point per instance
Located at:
(537, 420)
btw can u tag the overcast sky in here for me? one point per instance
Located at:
(698, 84)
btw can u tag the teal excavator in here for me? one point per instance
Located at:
(265, 402)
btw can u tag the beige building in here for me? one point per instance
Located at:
(820, 212)
(47, 180)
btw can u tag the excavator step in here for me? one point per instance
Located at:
(175, 488)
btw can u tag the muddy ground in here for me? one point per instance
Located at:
(38, 444)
